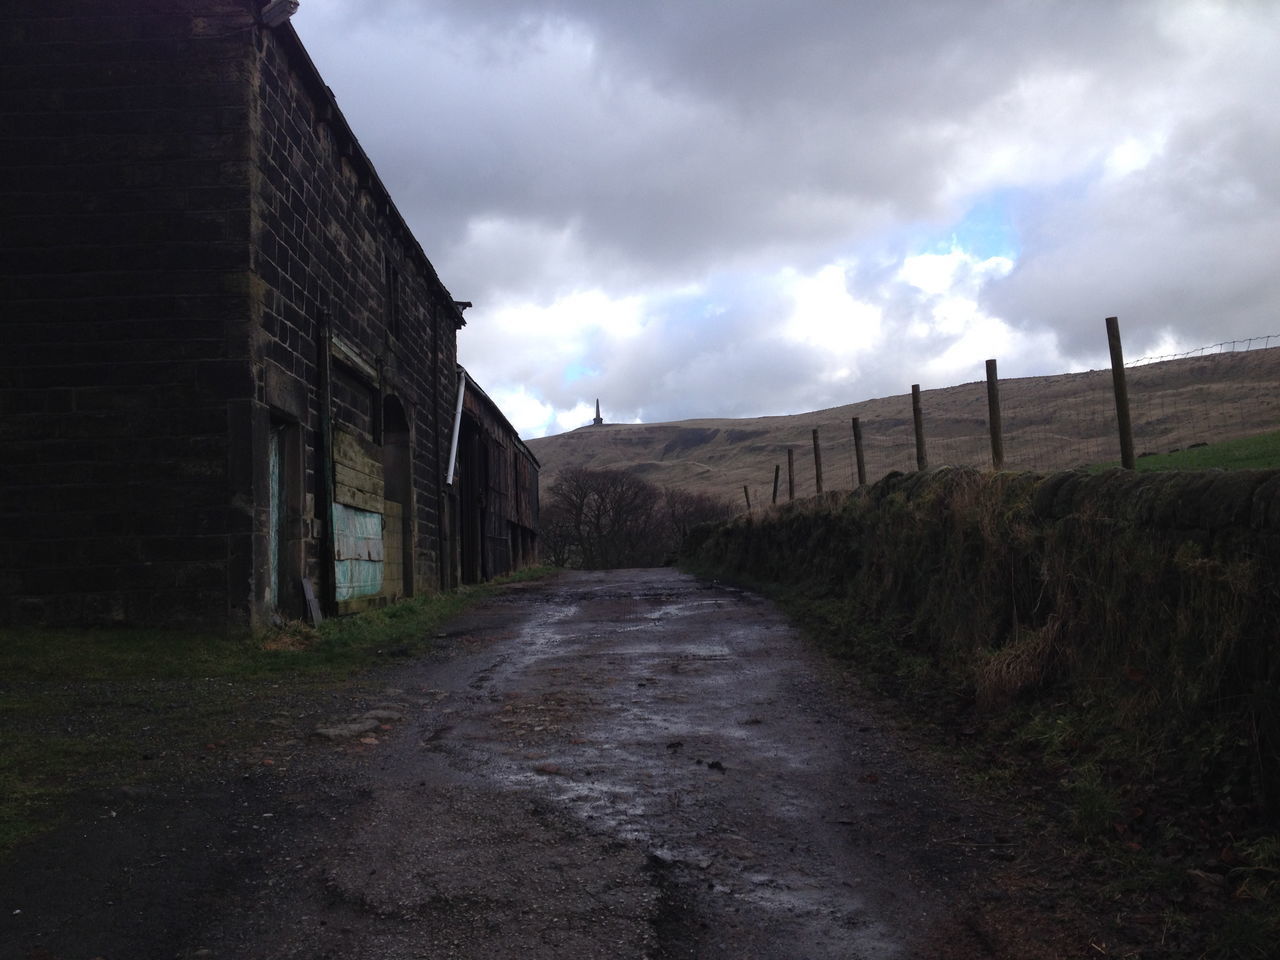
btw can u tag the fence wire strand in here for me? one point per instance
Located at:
(1216, 392)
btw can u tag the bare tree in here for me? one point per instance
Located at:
(611, 518)
(556, 539)
(568, 504)
(685, 510)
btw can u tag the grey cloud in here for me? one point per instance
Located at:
(698, 132)
(1187, 245)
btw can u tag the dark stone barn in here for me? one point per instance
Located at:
(227, 365)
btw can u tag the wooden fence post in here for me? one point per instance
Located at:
(993, 417)
(917, 415)
(817, 461)
(791, 474)
(1122, 393)
(777, 469)
(857, 452)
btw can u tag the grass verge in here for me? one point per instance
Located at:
(1244, 453)
(103, 708)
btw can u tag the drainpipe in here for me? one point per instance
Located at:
(457, 426)
(455, 508)
(324, 368)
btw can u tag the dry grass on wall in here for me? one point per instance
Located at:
(1146, 605)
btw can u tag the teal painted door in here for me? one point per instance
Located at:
(358, 553)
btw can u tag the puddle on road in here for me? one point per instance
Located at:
(682, 609)
(543, 631)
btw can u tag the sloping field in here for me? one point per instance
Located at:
(1050, 423)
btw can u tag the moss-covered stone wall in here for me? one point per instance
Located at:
(1152, 599)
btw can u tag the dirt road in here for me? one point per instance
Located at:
(622, 764)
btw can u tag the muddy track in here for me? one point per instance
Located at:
(623, 764)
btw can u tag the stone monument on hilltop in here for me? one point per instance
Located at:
(598, 420)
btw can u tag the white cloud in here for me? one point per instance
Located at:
(548, 354)
(826, 317)
(578, 416)
(529, 415)
(1131, 155)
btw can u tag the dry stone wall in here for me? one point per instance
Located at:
(1154, 597)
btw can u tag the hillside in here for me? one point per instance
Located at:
(1050, 423)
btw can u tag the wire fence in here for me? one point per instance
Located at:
(1206, 395)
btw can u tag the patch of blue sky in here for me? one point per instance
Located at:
(578, 371)
(689, 315)
(986, 230)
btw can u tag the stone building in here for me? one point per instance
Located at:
(496, 477)
(228, 369)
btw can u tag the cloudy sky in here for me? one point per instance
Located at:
(691, 208)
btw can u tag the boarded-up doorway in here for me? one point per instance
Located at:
(358, 524)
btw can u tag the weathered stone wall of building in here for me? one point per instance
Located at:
(125, 211)
(333, 257)
(206, 284)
